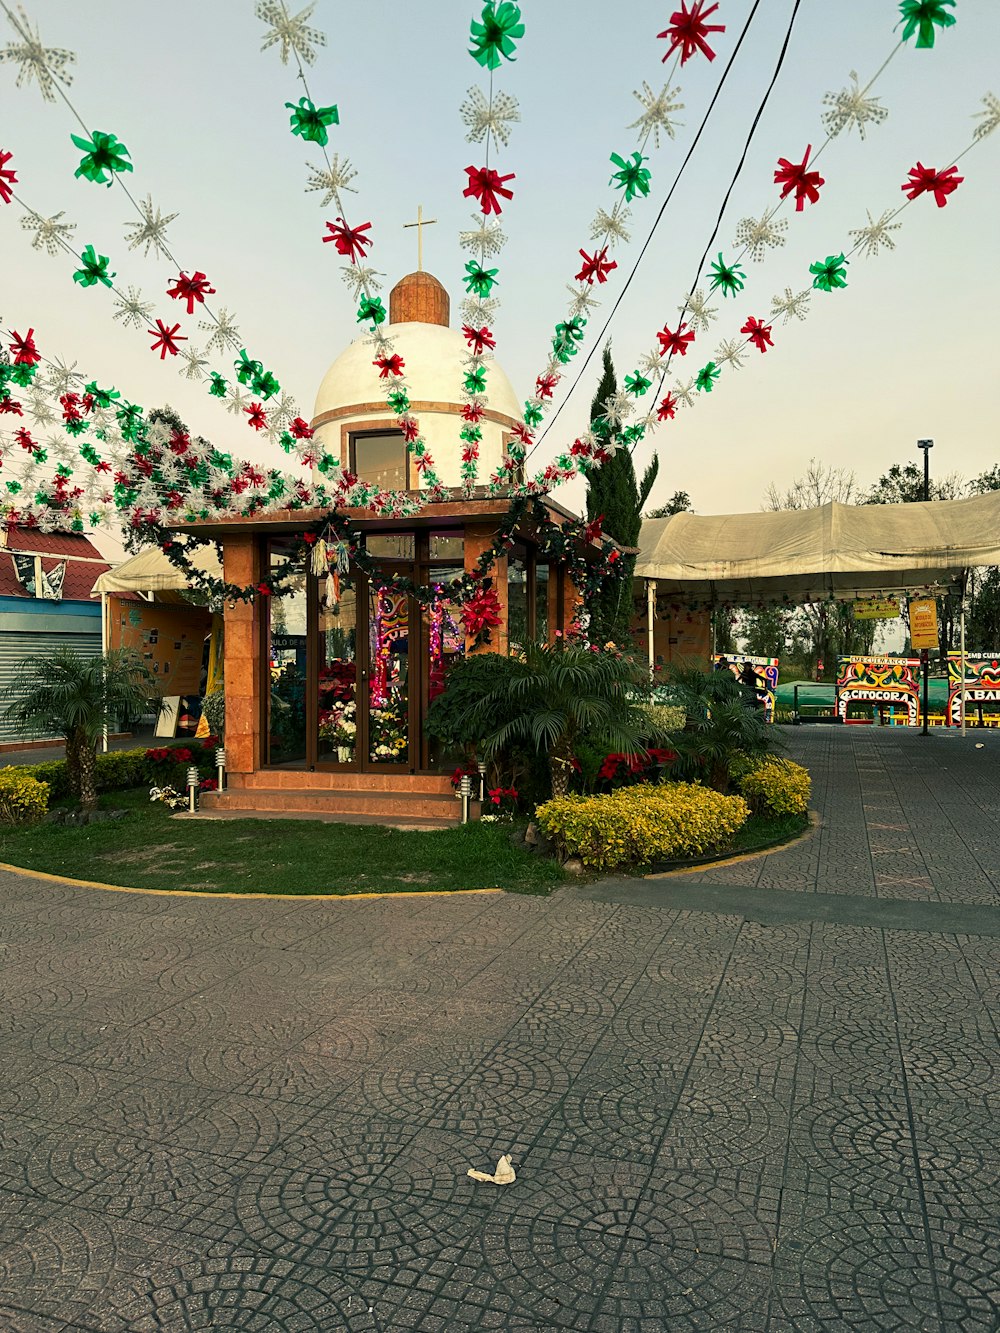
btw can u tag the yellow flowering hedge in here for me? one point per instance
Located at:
(777, 785)
(22, 797)
(636, 825)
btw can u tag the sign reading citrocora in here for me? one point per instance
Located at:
(879, 681)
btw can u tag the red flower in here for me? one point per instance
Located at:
(596, 266)
(256, 416)
(472, 412)
(193, 290)
(208, 784)
(667, 409)
(165, 340)
(23, 436)
(671, 343)
(478, 338)
(349, 241)
(24, 349)
(481, 612)
(10, 407)
(300, 430)
(182, 756)
(926, 180)
(759, 333)
(544, 384)
(523, 434)
(70, 403)
(410, 429)
(389, 365)
(7, 177)
(794, 176)
(688, 30)
(485, 184)
(264, 590)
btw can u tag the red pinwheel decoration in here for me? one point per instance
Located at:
(10, 407)
(544, 384)
(688, 30)
(486, 185)
(8, 177)
(70, 404)
(256, 416)
(672, 344)
(165, 340)
(410, 429)
(389, 365)
(301, 430)
(667, 409)
(478, 339)
(350, 241)
(794, 176)
(193, 290)
(472, 412)
(927, 180)
(24, 349)
(596, 266)
(23, 436)
(758, 333)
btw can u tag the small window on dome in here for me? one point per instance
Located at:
(381, 460)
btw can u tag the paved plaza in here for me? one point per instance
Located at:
(760, 1097)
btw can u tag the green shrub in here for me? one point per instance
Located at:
(119, 770)
(636, 825)
(214, 709)
(776, 785)
(23, 799)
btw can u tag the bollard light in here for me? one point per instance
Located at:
(220, 765)
(481, 765)
(466, 793)
(192, 789)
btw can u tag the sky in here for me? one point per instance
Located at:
(907, 351)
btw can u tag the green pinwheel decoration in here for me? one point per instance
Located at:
(102, 153)
(22, 374)
(475, 380)
(633, 434)
(631, 176)
(311, 121)
(102, 397)
(93, 269)
(247, 371)
(727, 278)
(480, 280)
(567, 337)
(532, 414)
(707, 377)
(218, 387)
(129, 417)
(829, 274)
(922, 17)
(398, 400)
(265, 384)
(494, 35)
(371, 308)
(637, 384)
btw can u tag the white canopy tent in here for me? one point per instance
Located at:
(802, 555)
(151, 571)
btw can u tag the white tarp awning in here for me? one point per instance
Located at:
(812, 554)
(151, 571)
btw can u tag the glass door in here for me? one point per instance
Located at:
(337, 713)
(389, 637)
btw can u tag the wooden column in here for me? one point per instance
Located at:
(479, 537)
(571, 599)
(241, 564)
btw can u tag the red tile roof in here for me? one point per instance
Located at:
(84, 563)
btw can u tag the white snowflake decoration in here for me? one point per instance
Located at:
(685, 392)
(236, 400)
(731, 352)
(758, 235)
(41, 409)
(990, 116)
(610, 227)
(657, 111)
(34, 61)
(697, 312)
(331, 179)
(869, 240)
(851, 109)
(651, 363)
(194, 363)
(151, 231)
(791, 306)
(361, 279)
(483, 119)
(223, 335)
(49, 232)
(283, 411)
(132, 310)
(617, 406)
(584, 300)
(62, 378)
(291, 31)
(487, 239)
(478, 311)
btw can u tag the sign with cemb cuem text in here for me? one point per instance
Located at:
(923, 622)
(876, 608)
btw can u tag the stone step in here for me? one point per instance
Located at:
(328, 780)
(390, 806)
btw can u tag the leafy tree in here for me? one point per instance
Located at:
(904, 484)
(982, 626)
(764, 631)
(68, 694)
(614, 495)
(679, 503)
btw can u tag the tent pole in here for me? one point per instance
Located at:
(961, 664)
(104, 655)
(650, 609)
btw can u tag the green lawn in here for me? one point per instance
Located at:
(149, 850)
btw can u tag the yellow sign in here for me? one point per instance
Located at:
(876, 608)
(923, 623)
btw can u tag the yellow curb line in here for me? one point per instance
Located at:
(204, 893)
(814, 823)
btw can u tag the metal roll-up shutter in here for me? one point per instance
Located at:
(16, 646)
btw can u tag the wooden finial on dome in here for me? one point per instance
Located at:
(419, 299)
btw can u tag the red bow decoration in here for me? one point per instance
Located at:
(481, 612)
(165, 340)
(925, 180)
(410, 429)
(300, 429)
(579, 449)
(24, 349)
(478, 338)
(349, 241)
(8, 177)
(675, 343)
(9, 407)
(70, 403)
(256, 416)
(667, 409)
(23, 437)
(592, 532)
(192, 290)
(485, 184)
(794, 176)
(596, 266)
(758, 333)
(544, 384)
(389, 365)
(688, 30)
(523, 434)
(179, 442)
(472, 412)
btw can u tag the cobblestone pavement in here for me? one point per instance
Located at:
(729, 1107)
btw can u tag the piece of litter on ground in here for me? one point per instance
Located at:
(503, 1175)
(980, 745)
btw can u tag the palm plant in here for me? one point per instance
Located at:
(722, 726)
(551, 696)
(68, 694)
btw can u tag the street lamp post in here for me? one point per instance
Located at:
(926, 446)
